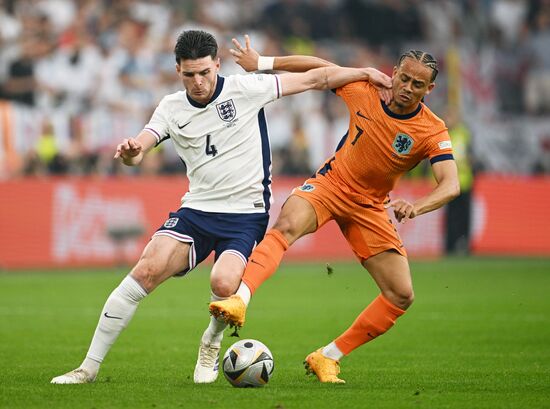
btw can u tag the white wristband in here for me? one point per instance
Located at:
(265, 63)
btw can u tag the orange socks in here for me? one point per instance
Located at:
(265, 259)
(376, 319)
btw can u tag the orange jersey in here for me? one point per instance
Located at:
(380, 146)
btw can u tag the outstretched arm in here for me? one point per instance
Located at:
(447, 189)
(248, 58)
(132, 150)
(330, 78)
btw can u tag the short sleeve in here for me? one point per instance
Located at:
(439, 147)
(354, 93)
(260, 88)
(158, 124)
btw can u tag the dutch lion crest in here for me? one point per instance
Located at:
(226, 110)
(402, 143)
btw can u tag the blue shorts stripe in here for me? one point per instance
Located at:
(238, 254)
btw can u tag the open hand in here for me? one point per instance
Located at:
(402, 209)
(246, 57)
(382, 83)
(129, 148)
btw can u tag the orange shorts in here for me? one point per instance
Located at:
(366, 226)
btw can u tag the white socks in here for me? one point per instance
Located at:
(115, 316)
(119, 310)
(214, 333)
(333, 352)
(244, 292)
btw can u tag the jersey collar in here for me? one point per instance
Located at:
(400, 116)
(219, 87)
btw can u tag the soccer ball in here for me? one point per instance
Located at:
(248, 363)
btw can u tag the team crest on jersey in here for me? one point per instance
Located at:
(226, 110)
(402, 143)
(307, 188)
(171, 222)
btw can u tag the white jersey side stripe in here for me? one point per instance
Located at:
(266, 159)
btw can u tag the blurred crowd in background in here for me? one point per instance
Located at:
(78, 76)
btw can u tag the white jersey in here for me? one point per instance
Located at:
(224, 143)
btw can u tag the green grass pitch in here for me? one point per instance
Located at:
(478, 336)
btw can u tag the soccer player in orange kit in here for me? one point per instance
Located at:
(382, 143)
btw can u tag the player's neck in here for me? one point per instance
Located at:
(202, 102)
(206, 99)
(401, 110)
(211, 93)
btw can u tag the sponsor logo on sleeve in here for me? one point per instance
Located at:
(445, 145)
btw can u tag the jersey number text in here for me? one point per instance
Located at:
(359, 133)
(210, 149)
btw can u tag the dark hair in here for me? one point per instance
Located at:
(195, 44)
(423, 58)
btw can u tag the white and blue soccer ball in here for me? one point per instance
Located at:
(248, 363)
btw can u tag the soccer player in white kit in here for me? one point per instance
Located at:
(218, 128)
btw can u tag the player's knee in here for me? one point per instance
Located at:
(407, 299)
(223, 286)
(284, 225)
(402, 298)
(289, 227)
(146, 275)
